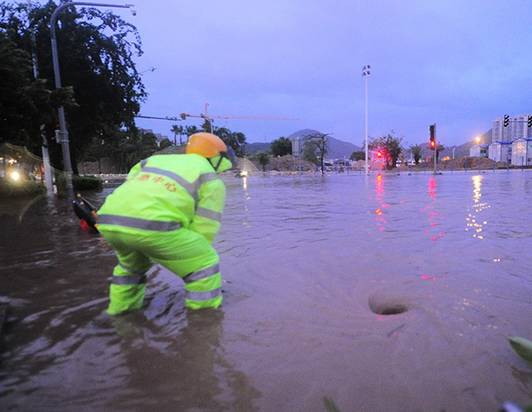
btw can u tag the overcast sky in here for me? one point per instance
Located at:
(457, 63)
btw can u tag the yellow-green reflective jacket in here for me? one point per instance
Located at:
(166, 192)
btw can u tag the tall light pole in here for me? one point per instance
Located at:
(63, 132)
(366, 71)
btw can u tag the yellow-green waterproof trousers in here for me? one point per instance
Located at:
(184, 252)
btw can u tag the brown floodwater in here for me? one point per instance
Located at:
(386, 293)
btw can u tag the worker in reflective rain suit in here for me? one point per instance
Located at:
(168, 212)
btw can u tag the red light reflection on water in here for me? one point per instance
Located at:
(433, 214)
(379, 196)
(430, 278)
(432, 188)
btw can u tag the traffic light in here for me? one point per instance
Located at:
(379, 154)
(432, 129)
(506, 121)
(529, 122)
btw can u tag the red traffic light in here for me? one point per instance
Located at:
(432, 138)
(379, 154)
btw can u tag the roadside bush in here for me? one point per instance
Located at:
(80, 183)
(87, 183)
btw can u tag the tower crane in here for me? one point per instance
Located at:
(209, 117)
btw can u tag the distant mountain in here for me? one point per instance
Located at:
(303, 133)
(338, 149)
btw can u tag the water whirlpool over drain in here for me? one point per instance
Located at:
(387, 305)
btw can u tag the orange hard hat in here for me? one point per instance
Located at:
(204, 144)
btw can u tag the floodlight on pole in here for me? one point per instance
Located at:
(63, 132)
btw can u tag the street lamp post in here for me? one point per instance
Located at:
(63, 132)
(365, 74)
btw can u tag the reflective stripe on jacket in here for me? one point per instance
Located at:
(165, 192)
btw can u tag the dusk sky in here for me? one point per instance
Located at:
(459, 64)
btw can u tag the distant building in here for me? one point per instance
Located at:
(522, 152)
(298, 140)
(500, 152)
(478, 150)
(298, 144)
(516, 129)
(510, 144)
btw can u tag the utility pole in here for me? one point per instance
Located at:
(63, 132)
(366, 71)
(48, 180)
(433, 143)
(435, 155)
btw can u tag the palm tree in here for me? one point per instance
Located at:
(177, 130)
(190, 130)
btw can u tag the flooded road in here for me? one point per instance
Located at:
(307, 261)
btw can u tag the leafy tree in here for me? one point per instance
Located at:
(416, 152)
(134, 147)
(263, 159)
(281, 147)
(390, 146)
(97, 51)
(358, 155)
(125, 148)
(96, 151)
(164, 143)
(236, 140)
(25, 102)
(315, 149)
